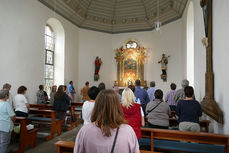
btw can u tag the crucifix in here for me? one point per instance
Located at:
(209, 105)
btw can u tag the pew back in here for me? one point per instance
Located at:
(182, 136)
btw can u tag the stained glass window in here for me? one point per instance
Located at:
(49, 58)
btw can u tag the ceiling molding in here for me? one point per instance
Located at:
(117, 16)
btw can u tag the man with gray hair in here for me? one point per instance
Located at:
(7, 86)
(180, 93)
(7, 115)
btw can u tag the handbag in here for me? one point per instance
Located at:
(74, 119)
(112, 150)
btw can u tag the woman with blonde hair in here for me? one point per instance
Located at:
(132, 111)
(108, 131)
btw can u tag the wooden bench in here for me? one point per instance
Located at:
(41, 106)
(78, 106)
(27, 138)
(196, 142)
(204, 124)
(55, 124)
(72, 113)
(50, 107)
(65, 146)
(68, 146)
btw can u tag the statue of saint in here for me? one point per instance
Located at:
(164, 62)
(98, 63)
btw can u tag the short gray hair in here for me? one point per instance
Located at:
(6, 86)
(4, 93)
(184, 83)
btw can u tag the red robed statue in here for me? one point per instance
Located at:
(98, 63)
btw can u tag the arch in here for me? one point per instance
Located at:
(190, 44)
(59, 55)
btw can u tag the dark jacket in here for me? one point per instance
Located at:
(62, 103)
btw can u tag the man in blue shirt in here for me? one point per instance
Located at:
(141, 94)
(151, 91)
(71, 90)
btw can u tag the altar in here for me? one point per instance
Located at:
(130, 59)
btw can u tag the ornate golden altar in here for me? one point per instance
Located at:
(130, 59)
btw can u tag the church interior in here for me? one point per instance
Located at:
(129, 37)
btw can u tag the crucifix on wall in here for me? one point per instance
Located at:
(209, 105)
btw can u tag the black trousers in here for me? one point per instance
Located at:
(21, 114)
(157, 126)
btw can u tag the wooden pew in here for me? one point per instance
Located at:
(50, 107)
(68, 146)
(204, 124)
(65, 146)
(72, 113)
(78, 105)
(186, 141)
(55, 124)
(41, 106)
(27, 138)
(78, 108)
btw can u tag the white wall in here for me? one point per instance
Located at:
(168, 41)
(220, 58)
(92, 44)
(22, 28)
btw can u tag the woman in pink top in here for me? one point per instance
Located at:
(107, 124)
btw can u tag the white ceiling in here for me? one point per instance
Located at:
(117, 16)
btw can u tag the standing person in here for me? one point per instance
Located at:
(41, 99)
(71, 90)
(69, 95)
(180, 95)
(61, 103)
(151, 90)
(116, 89)
(89, 104)
(6, 117)
(132, 111)
(52, 94)
(21, 104)
(108, 128)
(7, 86)
(158, 112)
(169, 98)
(189, 111)
(84, 92)
(102, 86)
(141, 94)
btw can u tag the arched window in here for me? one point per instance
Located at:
(190, 44)
(54, 53)
(49, 57)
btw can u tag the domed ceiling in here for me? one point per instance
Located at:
(117, 16)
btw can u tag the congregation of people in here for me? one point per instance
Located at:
(111, 118)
